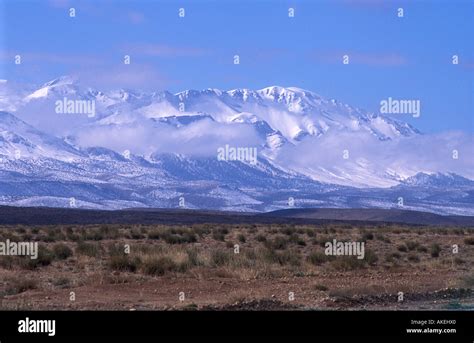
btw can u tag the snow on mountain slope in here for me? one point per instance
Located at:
(50, 172)
(439, 180)
(292, 111)
(60, 87)
(295, 130)
(19, 139)
(273, 138)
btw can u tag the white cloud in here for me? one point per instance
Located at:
(201, 138)
(370, 159)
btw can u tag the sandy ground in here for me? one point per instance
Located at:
(430, 283)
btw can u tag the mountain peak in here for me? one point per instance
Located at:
(62, 80)
(266, 92)
(279, 90)
(290, 95)
(63, 85)
(437, 180)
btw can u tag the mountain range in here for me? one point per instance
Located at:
(158, 149)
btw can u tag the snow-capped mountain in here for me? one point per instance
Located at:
(439, 180)
(153, 148)
(293, 112)
(60, 87)
(20, 140)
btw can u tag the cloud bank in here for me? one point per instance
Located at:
(367, 157)
(143, 137)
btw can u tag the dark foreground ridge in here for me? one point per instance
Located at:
(10, 215)
(373, 215)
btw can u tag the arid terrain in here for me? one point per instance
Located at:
(238, 267)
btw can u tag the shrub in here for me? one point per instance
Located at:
(88, 249)
(367, 236)
(224, 231)
(320, 288)
(115, 249)
(220, 257)
(62, 251)
(27, 237)
(392, 257)
(261, 238)
(7, 262)
(347, 263)
(469, 241)
(422, 248)
(45, 257)
(159, 266)
(411, 245)
(282, 258)
(218, 236)
(71, 236)
(413, 258)
(435, 250)
(241, 238)
(136, 234)
(193, 257)
(62, 282)
(278, 243)
(106, 232)
(51, 236)
(155, 234)
(179, 239)
(20, 285)
(382, 238)
(370, 257)
(92, 235)
(402, 248)
(124, 263)
(301, 242)
(396, 255)
(294, 238)
(318, 258)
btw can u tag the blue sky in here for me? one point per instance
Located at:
(402, 58)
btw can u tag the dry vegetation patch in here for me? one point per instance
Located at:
(266, 255)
